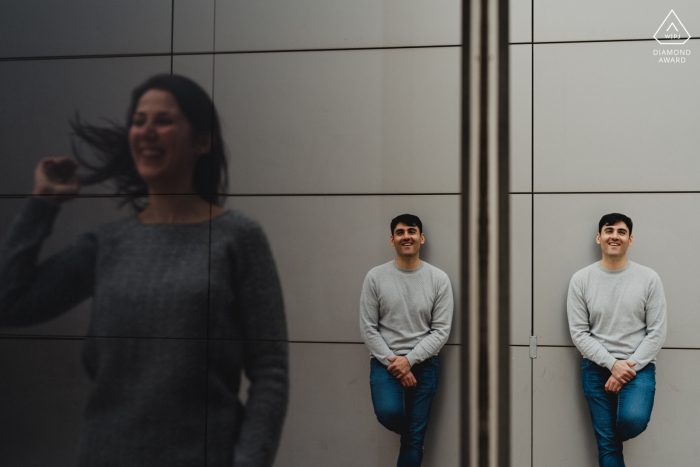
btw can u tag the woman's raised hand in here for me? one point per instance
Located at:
(55, 179)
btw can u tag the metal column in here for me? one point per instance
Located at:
(485, 399)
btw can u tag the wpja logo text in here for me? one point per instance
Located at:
(672, 32)
(677, 55)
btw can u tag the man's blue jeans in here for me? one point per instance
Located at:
(617, 417)
(405, 410)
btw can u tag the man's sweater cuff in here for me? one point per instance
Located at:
(412, 359)
(609, 362)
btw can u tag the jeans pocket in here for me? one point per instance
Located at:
(585, 363)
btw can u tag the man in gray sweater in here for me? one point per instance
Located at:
(617, 318)
(405, 318)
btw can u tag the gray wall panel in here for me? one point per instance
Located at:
(520, 21)
(520, 407)
(598, 20)
(520, 268)
(670, 438)
(610, 117)
(375, 121)
(561, 426)
(520, 117)
(331, 421)
(325, 245)
(193, 25)
(84, 27)
(565, 229)
(326, 24)
(563, 434)
(40, 97)
(199, 68)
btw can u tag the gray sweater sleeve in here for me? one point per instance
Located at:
(439, 326)
(656, 325)
(266, 354)
(32, 293)
(369, 322)
(580, 329)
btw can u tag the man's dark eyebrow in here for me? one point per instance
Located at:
(606, 227)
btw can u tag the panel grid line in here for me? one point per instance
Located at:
(631, 192)
(211, 207)
(300, 195)
(215, 52)
(172, 33)
(338, 49)
(228, 195)
(532, 227)
(212, 339)
(590, 41)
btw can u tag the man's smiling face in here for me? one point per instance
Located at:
(407, 240)
(614, 240)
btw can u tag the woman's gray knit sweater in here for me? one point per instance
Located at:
(178, 311)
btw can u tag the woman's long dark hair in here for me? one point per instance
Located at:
(112, 155)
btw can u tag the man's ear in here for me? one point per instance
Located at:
(631, 240)
(597, 238)
(392, 240)
(422, 238)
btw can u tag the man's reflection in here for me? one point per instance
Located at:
(185, 293)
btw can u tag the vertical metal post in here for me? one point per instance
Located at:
(485, 414)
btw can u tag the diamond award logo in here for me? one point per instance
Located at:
(672, 31)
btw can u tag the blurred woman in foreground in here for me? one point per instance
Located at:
(185, 293)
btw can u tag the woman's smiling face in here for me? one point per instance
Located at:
(162, 145)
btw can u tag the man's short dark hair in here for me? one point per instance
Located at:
(408, 219)
(612, 219)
